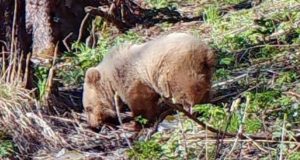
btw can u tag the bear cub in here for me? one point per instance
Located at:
(177, 66)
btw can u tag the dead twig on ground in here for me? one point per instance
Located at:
(234, 79)
(291, 93)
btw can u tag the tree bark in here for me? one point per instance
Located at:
(39, 23)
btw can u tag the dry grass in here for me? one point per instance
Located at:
(36, 130)
(33, 129)
(18, 119)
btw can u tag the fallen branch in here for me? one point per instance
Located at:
(120, 120)
(179, 108)
(291, 93)
(109, 17)
(217, 99)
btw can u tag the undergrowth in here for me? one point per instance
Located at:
(256, 80)
(7, 148)
(261, 46)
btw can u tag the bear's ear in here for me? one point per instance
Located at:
(92, 75)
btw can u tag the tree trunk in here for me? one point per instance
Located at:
(39, 23)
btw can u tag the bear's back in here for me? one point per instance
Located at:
(169, 52)
(177, 55)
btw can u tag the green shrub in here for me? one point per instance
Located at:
(143, 150)
(286, 77)
(294, 156)
(6, 148)
(252, 125)
(41, 74)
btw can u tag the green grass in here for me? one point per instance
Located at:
(212, 15)
(161, 3)
(294, 156)
(41, 74)
(6, 148)
(129, 36)
(143, 150)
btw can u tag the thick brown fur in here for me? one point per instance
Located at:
(177, 66)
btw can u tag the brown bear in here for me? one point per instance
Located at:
(177, 66)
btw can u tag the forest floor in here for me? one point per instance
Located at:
(256, 91)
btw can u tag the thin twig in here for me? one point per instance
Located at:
(282, 138)
(291, 93)
(230, 80)
(214, 139)
(26, 73)
(270, 45)
(3, 66)
(217, 99)
(81, 26)
(14, 64)
(65, 41)
(4, 44)
(66, 120)
(19, 70)
(120, 120)
(256, 144)
(13, 27)
(12, 42)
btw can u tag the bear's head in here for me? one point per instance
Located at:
(97, 105)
